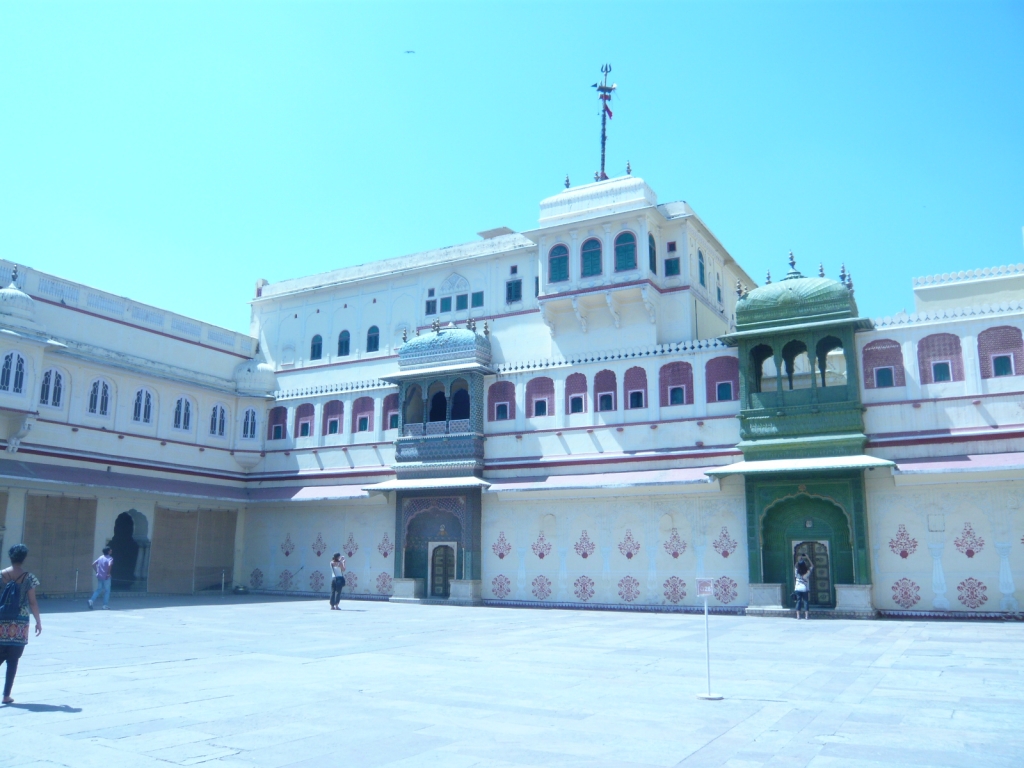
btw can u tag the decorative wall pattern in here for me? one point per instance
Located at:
(256, 578)
(541, 548)
(629, 588)
(541, 587)
(724, 545)
(385, 547)
(629, 546)
(905, 593)
(903, 545)
(675, 546)
(351, 581)
(971, 593)
(316, 581)
(319, 547)
(385, 584)
(351, 547)
(286, 546)
(968, 542)
(501, 547)
(285, 580)
(584, 546)
(725, 589)
(501, 586)
(675, 589)
(583, 588)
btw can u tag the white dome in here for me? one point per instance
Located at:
(254, 376)
(17, 308)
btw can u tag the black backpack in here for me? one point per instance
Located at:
(10, 598)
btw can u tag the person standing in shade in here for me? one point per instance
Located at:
(802, 585)
(338, 580)
(102, 566)
(17, 599)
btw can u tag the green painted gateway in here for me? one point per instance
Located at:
(802, 434)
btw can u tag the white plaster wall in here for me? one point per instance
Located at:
(935, 574)
(280, 555)
(564, 576)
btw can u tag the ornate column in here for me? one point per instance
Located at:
(939, 601)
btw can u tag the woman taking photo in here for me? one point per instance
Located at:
(338, 579)
(802, 585)
(17, 599)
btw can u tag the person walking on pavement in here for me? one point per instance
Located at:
(102, 566)
(802, 585)
(338, 580)
(17, 599)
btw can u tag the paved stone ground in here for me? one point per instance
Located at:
(262, 683)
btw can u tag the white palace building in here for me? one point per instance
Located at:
(589, 414)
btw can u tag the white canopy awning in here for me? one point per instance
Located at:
(799, 465)
(427, 484)
(437, 370)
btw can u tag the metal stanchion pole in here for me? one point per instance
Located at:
(704, 589)
(222, 582)
(76, 582)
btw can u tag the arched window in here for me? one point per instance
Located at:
(277, 423)
(558, 264)
(304, 420)
(343, 344)
(759, 355)
(460, 400)
(652, 254)
(540, 397)
(700, 268)
(718, 286)
(1000, 351)
(940, 358)
(12, 375)
(99, 398)
(796, 364)
(316, 348)
(501, 401)
(413, 421)
(604, 390)
(249, 424)
(218, 419)
(362, 414)
(625, 252)
(883, 364)
(634, 387)
(438, 403)
(334, 412)
(51, 392)
(722, 376)
(391, 411)
(575, 393)
(142, 410)
(675, 384)
(373, 339)
(590, 258)
(183, 414)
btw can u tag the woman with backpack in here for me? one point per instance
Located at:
(802, 585)
(338, 580)
(17, 599)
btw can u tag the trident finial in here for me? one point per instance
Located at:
(792, 260)
(436, 325)
(842, 273)
(739, 288)
(604, 93)
(567, 181)
(768, 278)
(487, 331)
(14, 276)
(629, 171)
(405, 335)
(821, 269)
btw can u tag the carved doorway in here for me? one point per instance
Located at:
(442, 569)
(821, 577)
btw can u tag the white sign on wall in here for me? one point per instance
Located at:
(705, 587)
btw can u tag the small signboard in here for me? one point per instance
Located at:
(705, 587)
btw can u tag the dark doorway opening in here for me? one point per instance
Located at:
(125, 553)
(442, 571)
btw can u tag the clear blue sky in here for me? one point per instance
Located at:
(176, 152)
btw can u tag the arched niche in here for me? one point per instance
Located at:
(131, 547)
(797, 365)
(831, 362)
(460, 400)
(437, 403)
(759, 355)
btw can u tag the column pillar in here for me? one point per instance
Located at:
(1006, 585)
(939, 601)
(910, 369)
(559, 404)
(14, 522)
(238, 571)
(378, 418)
(972, 367)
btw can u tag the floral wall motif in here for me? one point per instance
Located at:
(541, 548)
(316, 581)
(542, 587)
(583, 588)
(501, 586)
(384, 584)
(319, 547)
(675, 589)
(351, 581)
(350, 548)
(286, 546)
(903, 545)
(724, 544)
(385, 547)
(675, 546)
(725, 589)
(971, 593)
(256, 578)
(584, 547)
(629, 588)
(629, 546)
(501, 547)
(285, 580)
(906, 593)
(968, 542)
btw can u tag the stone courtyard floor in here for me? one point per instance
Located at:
(262, 682)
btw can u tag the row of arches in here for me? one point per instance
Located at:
(591, 257)
(316, 344)
(332, 418)
(940, 358)
(603, 394)
(439, 404)
(799, 370)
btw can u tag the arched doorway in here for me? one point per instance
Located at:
(431, 526)
(813, 526)
(442, 571)
(130, 545)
